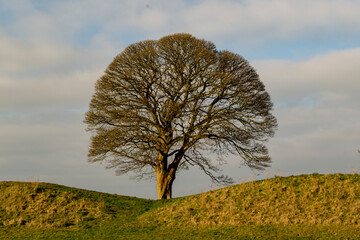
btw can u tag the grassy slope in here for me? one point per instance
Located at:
(314, 199)
(309, 206)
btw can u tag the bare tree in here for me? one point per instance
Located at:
(165, 105)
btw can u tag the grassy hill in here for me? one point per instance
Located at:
(307, 206)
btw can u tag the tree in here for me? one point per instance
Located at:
(165, 105)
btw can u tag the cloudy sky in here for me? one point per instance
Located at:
(306, 52)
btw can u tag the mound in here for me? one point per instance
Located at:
(42, 205)
(305, 199)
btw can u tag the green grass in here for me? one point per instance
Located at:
(298, 207)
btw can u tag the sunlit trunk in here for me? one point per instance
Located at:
(164, 183)
(165, 175)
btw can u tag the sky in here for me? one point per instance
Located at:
(306, 52)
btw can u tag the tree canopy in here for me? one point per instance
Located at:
(164, 105)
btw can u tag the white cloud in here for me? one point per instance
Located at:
(64, 91)
(260, 21)
(250, 21)
(331, 77)
(23, 57)
(322, 134)
(47, 74)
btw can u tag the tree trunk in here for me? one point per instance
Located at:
(165, 175)
(165, 181)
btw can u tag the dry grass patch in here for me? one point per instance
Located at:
(39, 205)
(306, 199)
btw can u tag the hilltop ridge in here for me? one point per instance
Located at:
(307, 205)
(304, 199)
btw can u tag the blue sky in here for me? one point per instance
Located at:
(307, 53)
